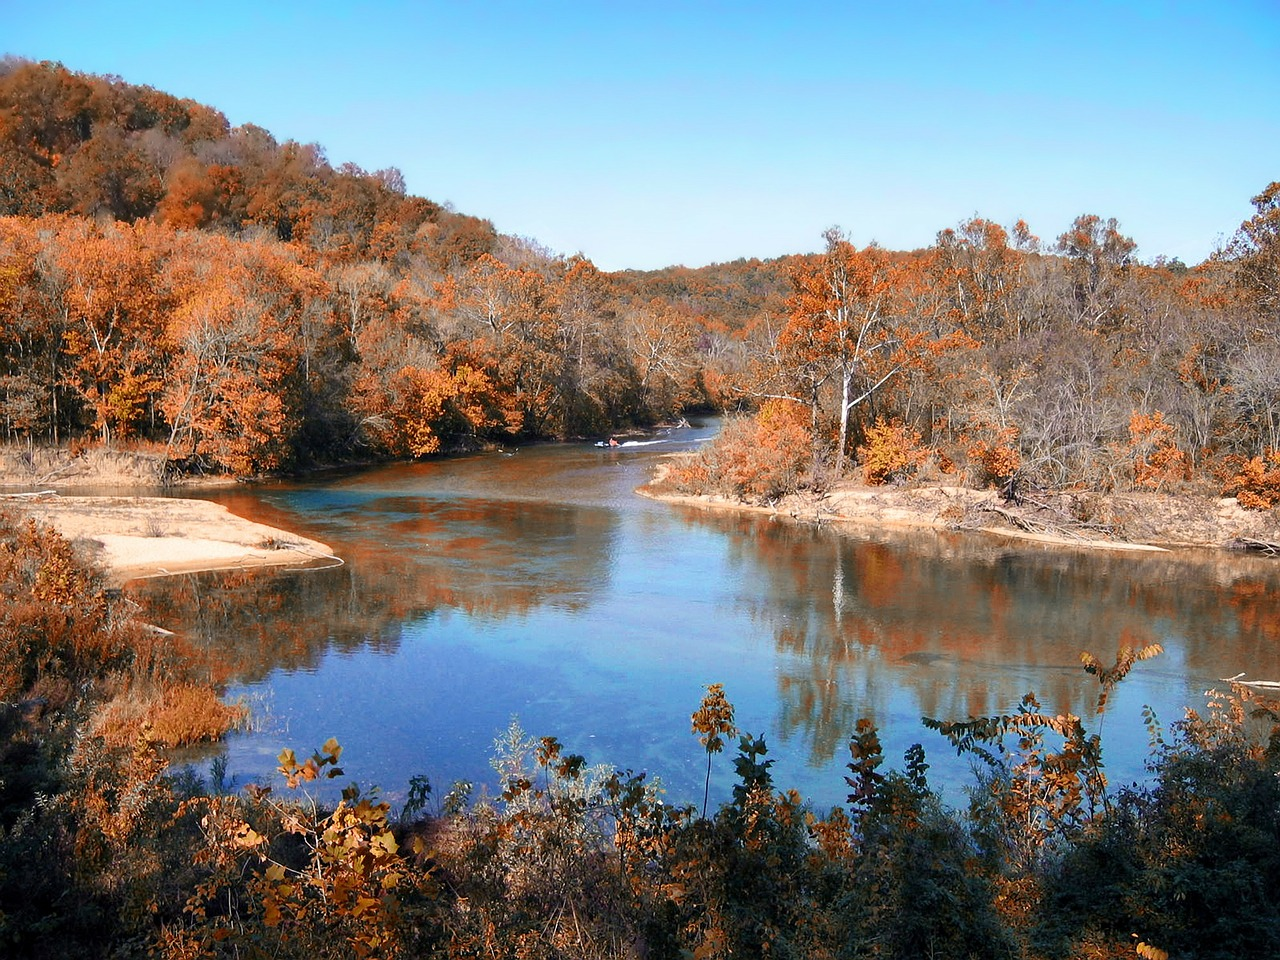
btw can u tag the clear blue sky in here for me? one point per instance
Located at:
(646, 134)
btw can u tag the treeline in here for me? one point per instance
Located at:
(993, 357)
(106, 851)
(165, 277)
(244, 306)
(255, 355)
(98, 147)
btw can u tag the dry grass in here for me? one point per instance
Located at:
(49, 466)
(179, 716)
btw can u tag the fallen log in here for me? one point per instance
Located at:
(1268, 548)
(1255, 684)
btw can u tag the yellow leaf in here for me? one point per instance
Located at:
(246, 836)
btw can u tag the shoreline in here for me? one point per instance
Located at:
(1137, 522)
(134, 537)
(137, 536)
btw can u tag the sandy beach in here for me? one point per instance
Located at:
(134, 537)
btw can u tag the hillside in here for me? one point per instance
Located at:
(234, 305)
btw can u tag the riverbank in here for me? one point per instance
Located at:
(1129, 521)
(137, 537)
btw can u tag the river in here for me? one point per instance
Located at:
(535, 584)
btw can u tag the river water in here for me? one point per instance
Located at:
(536, 585)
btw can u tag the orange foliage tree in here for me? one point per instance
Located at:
(115, 312)
(995, 454)
(756, 458)
(841, 325)
(1257, 484)
(892, 451)
(233, 388)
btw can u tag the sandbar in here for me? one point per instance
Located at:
(136, 537)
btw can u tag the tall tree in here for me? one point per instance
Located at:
(842, 317)
(1255, 251)
(1098, 257)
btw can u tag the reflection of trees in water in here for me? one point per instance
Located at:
(248, 623)
(406, 558)
(967, 624)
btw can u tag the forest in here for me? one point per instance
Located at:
(228, 304)
(239, 305)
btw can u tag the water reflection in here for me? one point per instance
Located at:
(969, 624)
(539, 584)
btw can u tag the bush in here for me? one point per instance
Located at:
(892, 452)
(995, 456)
(1257, 485)
(755, 459)
(1157, 461)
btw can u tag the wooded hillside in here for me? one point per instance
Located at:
(245, 306)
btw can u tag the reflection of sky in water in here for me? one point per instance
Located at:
(540, 585)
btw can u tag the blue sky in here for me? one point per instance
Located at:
(646, 134)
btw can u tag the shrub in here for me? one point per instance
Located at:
(755, 459)
(175, 716)
(1257, 484)
(1157, 461)
(892, 452)
(995, 455)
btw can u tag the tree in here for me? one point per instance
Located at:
(979, 273)
(1255, 252)
(841, 315)
(1098, 257)
(116, 311)
(661, 341)
(233, 390)
(110, 175)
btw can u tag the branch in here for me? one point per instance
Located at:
(872, 389)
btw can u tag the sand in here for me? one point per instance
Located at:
(1141, 521)
(135, 537)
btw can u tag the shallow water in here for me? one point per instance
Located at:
(536, 584)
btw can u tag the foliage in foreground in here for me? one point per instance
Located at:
(105, 851)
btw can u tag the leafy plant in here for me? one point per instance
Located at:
(712, 722)
(1257, 484)
(891, 452)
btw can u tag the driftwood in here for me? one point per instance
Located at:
(1068, 527)
(1269, 548)
(34, 495)
(1255, 684)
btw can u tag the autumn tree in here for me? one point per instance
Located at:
(1098, 256)
(233, 390)
(841, 326)
(111, 175)
(1255, 252)
(115, 312)
(661, 340)
(978, 274)
(594, 387)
